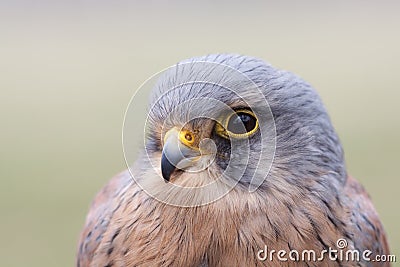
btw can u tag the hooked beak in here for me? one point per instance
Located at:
(176, 154)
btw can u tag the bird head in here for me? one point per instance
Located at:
(239, 119)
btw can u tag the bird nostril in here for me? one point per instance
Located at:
(188, 137)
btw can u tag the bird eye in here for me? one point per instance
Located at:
(240, 124)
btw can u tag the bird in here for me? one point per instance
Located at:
(239, 158)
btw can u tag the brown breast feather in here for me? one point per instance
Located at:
(127, 227)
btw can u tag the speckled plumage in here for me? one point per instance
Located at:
(307, 201)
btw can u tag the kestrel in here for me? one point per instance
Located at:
(239, 159)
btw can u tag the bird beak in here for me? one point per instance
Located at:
(176, 154)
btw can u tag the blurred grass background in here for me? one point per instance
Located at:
(69, 68)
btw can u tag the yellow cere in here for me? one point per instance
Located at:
(186, 137)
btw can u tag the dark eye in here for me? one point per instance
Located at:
(242, 123)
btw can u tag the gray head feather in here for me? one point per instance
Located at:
(307, 147)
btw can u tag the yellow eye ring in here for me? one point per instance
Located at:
(222, 129)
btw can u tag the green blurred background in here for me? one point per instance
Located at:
(69, 68)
